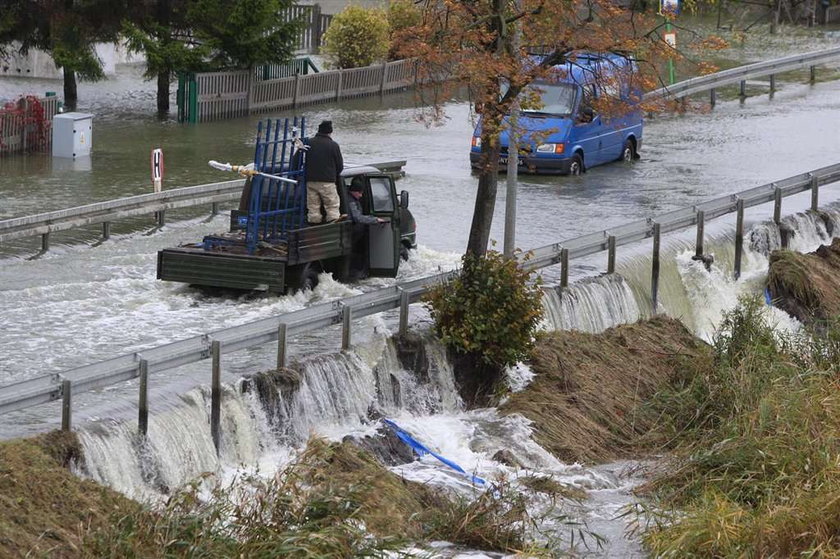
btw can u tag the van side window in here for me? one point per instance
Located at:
(586, 112)
(381, 190)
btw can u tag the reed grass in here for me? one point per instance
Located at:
(756, 471)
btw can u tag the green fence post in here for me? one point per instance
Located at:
(193, 98)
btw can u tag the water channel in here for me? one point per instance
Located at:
(81, 303)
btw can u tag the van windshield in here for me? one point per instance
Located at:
(543, 98)
(555, 99)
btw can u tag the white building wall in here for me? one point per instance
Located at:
(38, 64)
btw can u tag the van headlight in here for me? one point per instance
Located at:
(551, 148)
(476, 141)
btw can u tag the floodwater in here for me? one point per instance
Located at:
(81, 303)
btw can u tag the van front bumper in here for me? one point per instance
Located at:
(530, 164)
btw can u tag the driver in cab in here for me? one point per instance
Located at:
(354, 204)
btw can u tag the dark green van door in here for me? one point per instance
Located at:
(383, 239)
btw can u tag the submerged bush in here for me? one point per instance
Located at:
(758, 473)
(357, 37)
(491, 309)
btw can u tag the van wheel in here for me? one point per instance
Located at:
(576, 165)
(403, 253)
(628, 152)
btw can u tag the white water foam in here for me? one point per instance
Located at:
(590, 305)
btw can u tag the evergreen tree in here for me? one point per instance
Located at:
(197, 35)
(67, 30)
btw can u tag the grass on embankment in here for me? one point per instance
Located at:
(807, 285)
(585, 397)
(44, 508)
(334, 500)
(756, 471)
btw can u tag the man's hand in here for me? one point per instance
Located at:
(380, 221)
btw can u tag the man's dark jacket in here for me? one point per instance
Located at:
(323, 160)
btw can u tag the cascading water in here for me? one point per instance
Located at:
(323, 394)
(344, 394)
(591, 305)
(699, 295)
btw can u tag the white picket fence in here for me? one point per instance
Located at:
(233, 94)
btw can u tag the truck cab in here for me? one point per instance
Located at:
(271, 248)
(390, 242)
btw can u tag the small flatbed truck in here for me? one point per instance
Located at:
(269, 246)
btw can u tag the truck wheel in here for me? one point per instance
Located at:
(576, 165)
(307, 276)
(403, 253)
(628, 151)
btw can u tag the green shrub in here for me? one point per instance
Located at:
(491, 309)
(357, 37)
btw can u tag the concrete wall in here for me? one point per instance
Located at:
(38, 64)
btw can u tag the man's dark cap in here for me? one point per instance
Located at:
(357, 185)
(325, 127)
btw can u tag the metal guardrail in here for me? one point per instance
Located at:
(743, 73)
(143, 204)
(49, 388)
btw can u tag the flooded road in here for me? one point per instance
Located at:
(80, 303)
(107, 295)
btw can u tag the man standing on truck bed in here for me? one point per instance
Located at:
(323, 168)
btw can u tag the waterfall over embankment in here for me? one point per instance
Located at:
(591, 305)
(698, 294)
(266, 416)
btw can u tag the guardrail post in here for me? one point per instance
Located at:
(654, 276)
(611, 254)
(743, 89)
(161, 218)
(66, 405)
(701, 225)
(382, 83)
(281, 345)
(216, 393)
(45, 242)
(346, 317)
(813, 70)
(403, 311)
(143, 404)
(777, 205)
(297, 89)
(214, 209)
(712, 96)
(564, 268)
(815, 193)
(106, 230)
(772, 84)
(739, 236)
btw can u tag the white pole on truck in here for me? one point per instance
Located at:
(246, 171)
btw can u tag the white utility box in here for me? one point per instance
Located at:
(72, 135)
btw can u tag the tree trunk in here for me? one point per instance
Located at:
(164, 17)
(485, 198)
(163, 93)
(71, 95)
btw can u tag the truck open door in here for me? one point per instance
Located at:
(383, 239)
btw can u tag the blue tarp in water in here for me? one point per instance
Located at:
(421, 450)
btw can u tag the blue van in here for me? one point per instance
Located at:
(565, 134)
